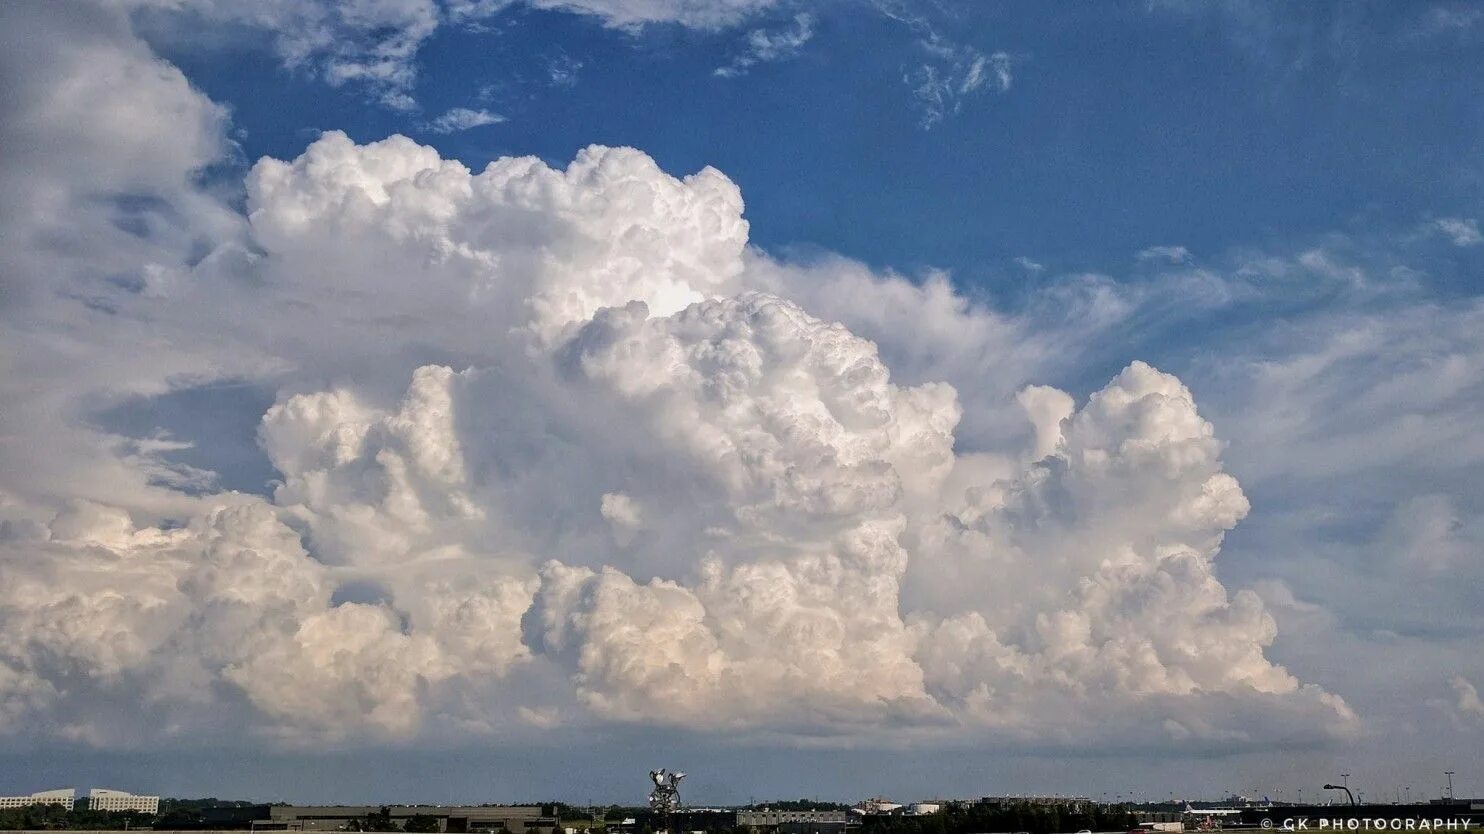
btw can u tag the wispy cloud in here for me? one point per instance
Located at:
(954, 73)
(1452, 18)
(764, 46)
(374, 46)
(462, 118)
(1165, 254)
(950, 71)
(993, 69)
(562, 70)
(1461, 231)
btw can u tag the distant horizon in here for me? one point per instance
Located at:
(1277, 795)
(1178, 800)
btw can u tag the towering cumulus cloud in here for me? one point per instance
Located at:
(552, 445)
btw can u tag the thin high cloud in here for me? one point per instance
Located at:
(461, 119)
(1460, 231)
(952, 72)
(374, 47)
(1164, 254)
(958, 72)
(766, 46)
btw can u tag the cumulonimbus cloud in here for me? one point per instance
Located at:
(562, 420)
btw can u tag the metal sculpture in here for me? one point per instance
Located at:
(665, 798)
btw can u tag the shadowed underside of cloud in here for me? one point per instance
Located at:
(594, 460)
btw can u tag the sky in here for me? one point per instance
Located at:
(491, 400)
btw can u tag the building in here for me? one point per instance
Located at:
(767, 818)
(65, 797)
(515, 819)
(1160, 820)
(796, 822)
(875, 805)
(690, 820)
(105, 799)
(1068, 803)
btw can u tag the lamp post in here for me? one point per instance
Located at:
(1341, 788)
(1449, 774)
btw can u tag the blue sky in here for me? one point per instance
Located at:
(999, 207)
(1124, 127)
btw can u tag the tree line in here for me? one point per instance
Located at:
(980, 817)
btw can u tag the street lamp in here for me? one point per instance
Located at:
(1329, 787)
(1449, 774)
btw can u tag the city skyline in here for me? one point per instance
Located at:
(436, 397)
(1255, 796)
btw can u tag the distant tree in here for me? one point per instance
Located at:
(421, 824)
(179, 819)
(172, 803)
(55, 817)
(800, 805)
(378, 820)
(977, 817)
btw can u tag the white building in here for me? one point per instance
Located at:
(875, 805)
(103, 799)
(64, 797)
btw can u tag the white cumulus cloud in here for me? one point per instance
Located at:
(553, 445)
